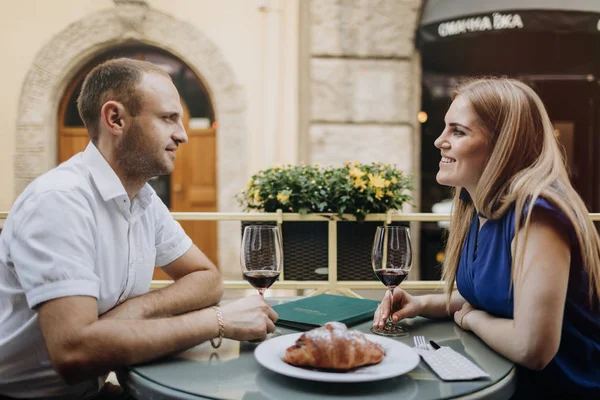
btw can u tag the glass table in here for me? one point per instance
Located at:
(232, 373)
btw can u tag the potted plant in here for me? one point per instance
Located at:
(353, 189)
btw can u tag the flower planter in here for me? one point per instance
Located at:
(305, 249)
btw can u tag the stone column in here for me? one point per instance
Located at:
(364, 83)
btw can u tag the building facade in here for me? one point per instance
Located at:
(289, 81)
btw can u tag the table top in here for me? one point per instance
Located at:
(232, 373)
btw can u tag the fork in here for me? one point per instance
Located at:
(420, 342)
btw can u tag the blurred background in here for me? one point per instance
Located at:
(290, 81)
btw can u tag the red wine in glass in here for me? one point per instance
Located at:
(261, 279)
(261, 255)
(391, 259)
(261, 258)
(391, 277)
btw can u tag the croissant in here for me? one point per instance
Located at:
(333, 346)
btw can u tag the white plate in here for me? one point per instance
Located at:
(399, 359)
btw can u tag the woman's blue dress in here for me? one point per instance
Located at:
(483, 279)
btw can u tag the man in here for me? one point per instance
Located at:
(80, 244)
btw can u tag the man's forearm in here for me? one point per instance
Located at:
(109, 344)
(192, 292)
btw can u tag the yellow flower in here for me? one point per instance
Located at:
(276, 166)
(313, 181)
(249, 184)
(283, 198)
(355, 163)
(394, 180)
(386, 183)
(390, 193)
(359, 184)
(378, 194)
(376, 181)
(356, 173)
(347, 163)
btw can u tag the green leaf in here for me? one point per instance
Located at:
(332, 191)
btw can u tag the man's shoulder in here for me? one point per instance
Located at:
(66, 177)
(61, 183)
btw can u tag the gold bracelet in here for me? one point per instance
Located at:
(463, 317)
(221, 328)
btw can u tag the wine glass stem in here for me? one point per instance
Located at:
(391, 305)
(261, 292)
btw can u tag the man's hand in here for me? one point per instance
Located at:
(248, 318)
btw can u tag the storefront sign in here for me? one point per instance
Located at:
(496, 21)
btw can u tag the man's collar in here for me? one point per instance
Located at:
(108, 183)
(145, 195)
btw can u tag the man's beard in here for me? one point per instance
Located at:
(137, 159)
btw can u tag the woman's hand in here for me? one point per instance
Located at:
(460, 317)
(405, 306)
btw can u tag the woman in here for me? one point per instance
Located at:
(522, 250)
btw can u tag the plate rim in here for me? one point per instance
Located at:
(300, 373)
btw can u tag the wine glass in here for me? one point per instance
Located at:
(391, 259)
(261, 258)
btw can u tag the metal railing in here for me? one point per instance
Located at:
(332, 284)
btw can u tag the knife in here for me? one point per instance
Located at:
(434, 345)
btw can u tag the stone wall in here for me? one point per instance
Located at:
(365, 87)
(364, 82)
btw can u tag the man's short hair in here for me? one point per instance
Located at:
(117, 80)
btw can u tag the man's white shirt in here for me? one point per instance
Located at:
(74, 232)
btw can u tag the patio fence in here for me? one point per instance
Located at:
(332, 284)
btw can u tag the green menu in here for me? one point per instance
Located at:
(312, 312)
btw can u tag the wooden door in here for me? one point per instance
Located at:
(72, 141)
(193, 183)
(194, 187)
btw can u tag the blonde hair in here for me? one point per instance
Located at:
(526, 162)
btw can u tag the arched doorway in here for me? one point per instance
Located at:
(193, 184)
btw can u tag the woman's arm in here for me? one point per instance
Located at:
(434, 305)
(407, 306)
(533, 336)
